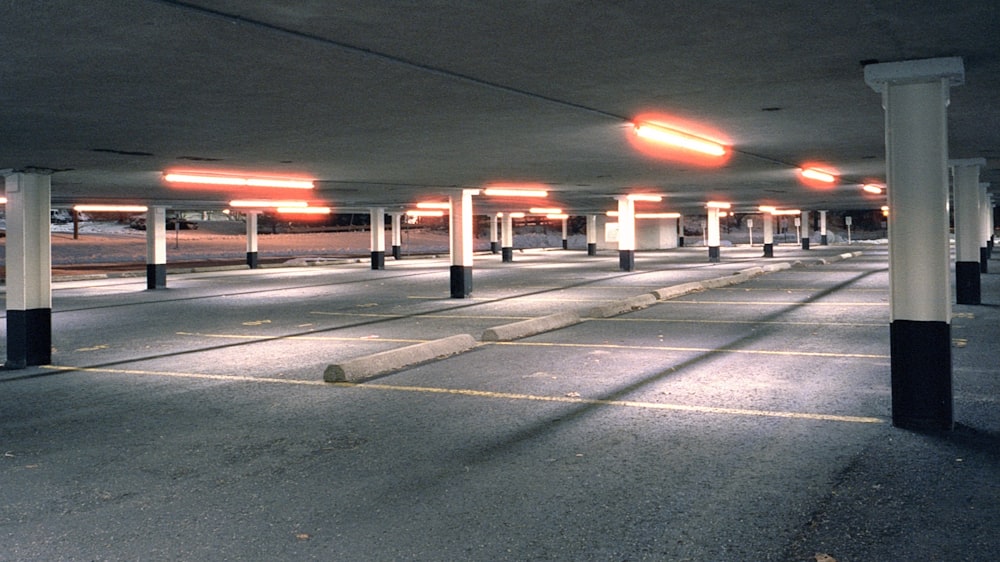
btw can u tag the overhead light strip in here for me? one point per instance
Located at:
(238, 181)
(680, 139)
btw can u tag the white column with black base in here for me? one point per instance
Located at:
(915, 98)
(565, 234)
(460, 229)
(29, 269)
(377, 222)
(507, 239)
(494, 233)
(626, 234)
(591, 235)
(680, 231)
(968, 230)
(804, 230)
(823, 240)
(768, 235)
(252, 256)
(156, 248)
(397, 235)
(986, 223)
(714, 235)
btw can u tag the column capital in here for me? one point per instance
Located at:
(960, 162)
(880, 75)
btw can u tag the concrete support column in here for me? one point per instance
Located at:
(252, 258)
(397, 235)
(565, 234)
(156, 248)
(507, 234)
(494, 234)
(460, 222)
(968, 230)
(29, 269)
(591, 235)
(714, 236)
(377, 222)
(768, 235)
(823, 241)
(626, 234)
(986, 223)
(915, 98)
(804, 230)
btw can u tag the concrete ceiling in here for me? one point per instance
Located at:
(385, 103)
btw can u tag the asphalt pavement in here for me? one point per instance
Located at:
(743, 419)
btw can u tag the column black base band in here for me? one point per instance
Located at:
(156, 276)
(252, 260)
(29, 338)
(565, 244)
(984, 260)
(823, 240)
(378, 260)
(713, 254)
(591, 249)
(768, 250)
(494, 247)
(397, 252)
(968, 287)
(805, 243)
(921, 374)
(507, 255)
(680, 242)
(626, 260)
(461, 281)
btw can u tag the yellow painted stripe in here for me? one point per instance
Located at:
(706, 321)
(445, 316)
(297, 337)
(619, 403)
(484, 394)
(694, 349)
(175, 374)
(777, 303)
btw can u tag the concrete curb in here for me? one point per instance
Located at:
(530, 327)
(361, 368)
(615, 308)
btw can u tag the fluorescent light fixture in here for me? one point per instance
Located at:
(818, 175)
(657, 215)
(557, 216)
(648, 215)
(424, 213)
(718, 205)
(244, 181)
(304, 210)
(545, 211)
(111, 208)
(873, 188)
(644, 197)
(3, 200)
(265, 204)
(433, 205)
(767, 209)
(786, 212)
(514, 192)
(517, 215)
(679, 139)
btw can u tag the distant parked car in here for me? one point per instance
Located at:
(138, 222)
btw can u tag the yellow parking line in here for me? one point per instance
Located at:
(763, 322)
(777, 303)
(297, 337)
(485, 394)
(444, 316)
(695, 349)
(619, 403)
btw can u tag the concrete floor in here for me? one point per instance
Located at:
(749, 422)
